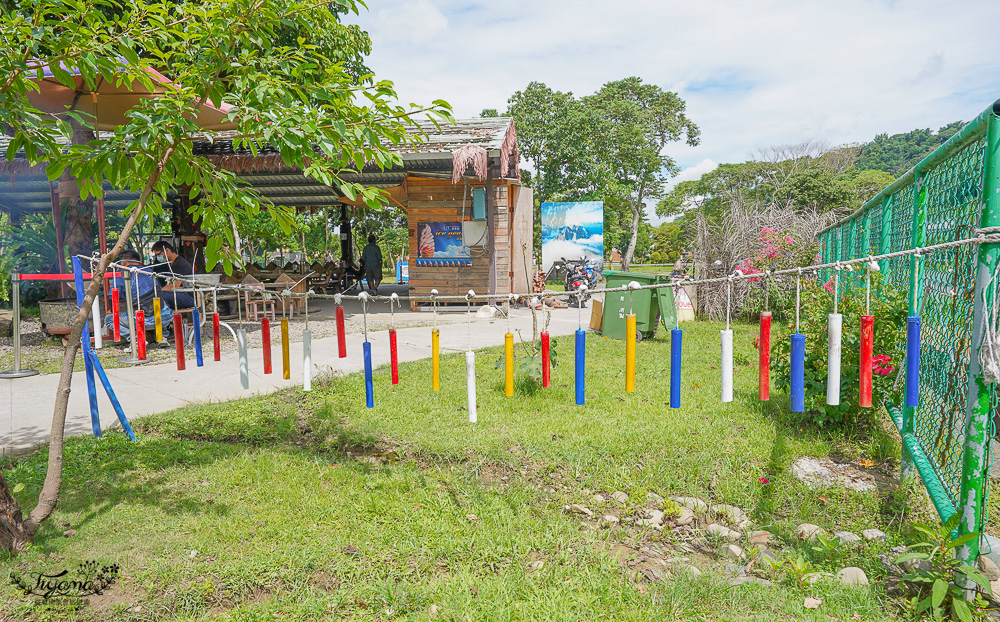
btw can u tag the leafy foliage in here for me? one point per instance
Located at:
(888, 306)
(941, 578)
(898, 153)
(531, 363)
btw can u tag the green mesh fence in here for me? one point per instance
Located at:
(941, 200)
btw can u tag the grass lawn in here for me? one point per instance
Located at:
(311, 507)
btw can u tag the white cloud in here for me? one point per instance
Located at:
(753, 74)
(412, 22)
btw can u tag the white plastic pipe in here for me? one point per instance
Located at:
(307, 383)
(834, 328)
(727, 365)
(98, 325)
(470, 378)
(241, 344)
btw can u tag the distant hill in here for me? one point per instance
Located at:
(898, 153)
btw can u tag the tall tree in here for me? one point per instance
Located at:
(637, 122)
(316, 114)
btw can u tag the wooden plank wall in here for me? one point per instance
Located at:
(438, 200)
(522, 232)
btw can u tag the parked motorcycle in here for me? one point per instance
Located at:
(581, 272)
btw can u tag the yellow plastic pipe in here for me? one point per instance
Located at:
(436, 359)
(508, 357)
(286, 371)
(157, 321)
(630, 352)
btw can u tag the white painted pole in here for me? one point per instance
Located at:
(470, 376)
(241, 344)
(306, 360)
(727, 365)
(835, 326)
(98, 324)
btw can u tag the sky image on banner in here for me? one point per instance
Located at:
(440, 244)
(572, 231)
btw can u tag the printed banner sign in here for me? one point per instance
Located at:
(572, 231)
(440, 244)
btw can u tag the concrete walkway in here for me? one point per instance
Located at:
(26, 403)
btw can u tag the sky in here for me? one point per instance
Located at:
(754, 73)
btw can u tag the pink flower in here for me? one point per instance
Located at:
(828, 286)
(789, 240)
(763, 480)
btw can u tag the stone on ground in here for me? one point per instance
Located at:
(734, 552)
(652, 497)
(846, 537)
(579, 509)
(724, 533)
(761, 539)
(808, 531)
(747, 579)
(873, 535)
(619, 496)
(692, 503)
(989, 568)
(853, 575)
(686, 517)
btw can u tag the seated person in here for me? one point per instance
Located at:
(164, 253)
(144, 290)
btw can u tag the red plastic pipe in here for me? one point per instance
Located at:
(546, 374)
(140, 334)
(867, 343)
(393, 356)
(341, 333)
(116, 321)
(764, 384)
(179, 341)
(215, 336)
(265, 335)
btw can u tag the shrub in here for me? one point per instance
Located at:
(888, 306)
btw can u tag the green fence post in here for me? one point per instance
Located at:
(977, 425)
(885, 243)
(866, 240)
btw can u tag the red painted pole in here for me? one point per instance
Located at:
(179, 341)
(265, 335)
(341, 333)
(140, 334)
(867, 344)
(215, 336)
(546, 374)
(393, 356)
(764, 384)
(116, 321)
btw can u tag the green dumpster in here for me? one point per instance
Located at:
(645, 304)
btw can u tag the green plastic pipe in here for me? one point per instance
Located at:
(932, 480)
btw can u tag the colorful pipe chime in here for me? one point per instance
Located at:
(726, 338)
(676, 335)
(867, 345)
(834, 330)
(435, 347)
(630, 339)
(470, 363)
(115, 319)
(341, 332)
(306, 351)
(508, 354)
(241, 347)
(798, 358)
(393, 353)
(216, 346)
(179, 341)
(140, 342)
(913, 323)
(581, 351)
(265, 335)
(157, 320)
(366, 348)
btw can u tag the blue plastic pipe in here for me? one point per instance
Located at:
(581, 355)
(798, 373)
(197, 337)
(95, 416)
(912, 361)
(675, 367)
(369, 388)
(111, 395)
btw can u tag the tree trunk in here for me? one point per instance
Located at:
(15, 532)
(627, 259)
(78, 213)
